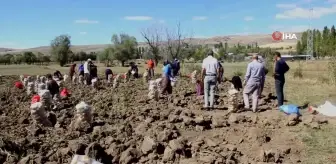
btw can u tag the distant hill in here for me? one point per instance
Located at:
(6, 50)
(263, 40)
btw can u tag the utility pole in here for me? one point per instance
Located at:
(310, 37)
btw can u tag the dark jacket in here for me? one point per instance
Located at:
(53, 87)
(93, 71)
(280, 69)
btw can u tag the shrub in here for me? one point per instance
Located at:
(332, 70)
(190, 67)
(298, 72)
(238, 73)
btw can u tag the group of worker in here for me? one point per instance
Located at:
(212, 73)
(254, 80)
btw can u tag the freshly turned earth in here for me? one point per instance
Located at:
(128, 128)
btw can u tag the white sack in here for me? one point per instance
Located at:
(193, 77)
(30, 88)
(81, 79)
(145, 76)
(39, 114)
(116, 81)
(153, 90)
(22, 78)
(109, 78)
(43, 79)
(65, 77)
(74, 79)
(327, 109)
(94, 82)
(84, 110)
(81, 159)
(46, 98)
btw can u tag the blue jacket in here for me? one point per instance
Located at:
(81, 67)
(167, 70)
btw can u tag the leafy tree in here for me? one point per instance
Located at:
(107, 55)
(60, 49)
(299, 48)
(29, 57)
(125, 47)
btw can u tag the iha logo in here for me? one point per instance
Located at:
(279, 36)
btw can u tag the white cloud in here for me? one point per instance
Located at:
(138, 18)
(83, 33)
(298, 28)
(86, 21)
(199, 18)
(286, 6)
(248, 18)
(302, 13)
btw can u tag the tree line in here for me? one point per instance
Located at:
(40, 58)
(324, 42)
(162, 44)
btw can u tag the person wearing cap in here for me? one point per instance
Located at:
(176, 67)
(254, 74)
(87, 69)
(210, 72)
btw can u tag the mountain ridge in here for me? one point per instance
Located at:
(263, 40)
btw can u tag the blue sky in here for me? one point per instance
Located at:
(32, 23)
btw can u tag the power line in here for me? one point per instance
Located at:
(310, 37)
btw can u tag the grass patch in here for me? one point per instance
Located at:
(320, 145)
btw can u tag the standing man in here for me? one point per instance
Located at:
(262, 84)
(253, 78)
(87, 69)
(150, 65)
(280, 68)
(210, 72)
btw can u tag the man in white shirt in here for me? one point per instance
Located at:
(210, 72)
(87, 71)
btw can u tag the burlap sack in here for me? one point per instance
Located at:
(39, 114)
(116, 81)
(109, 78)
(153, 90)
(193, 77)
(30, 88)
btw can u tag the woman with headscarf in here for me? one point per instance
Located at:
(166, 75)
(134, 71)
(57, 74)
